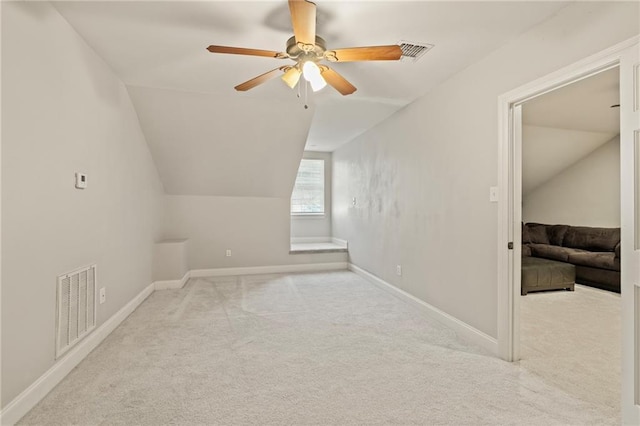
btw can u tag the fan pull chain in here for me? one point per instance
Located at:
(306, 90)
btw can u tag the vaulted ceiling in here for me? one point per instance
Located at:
(161, 44)
(564, 126)
(206, 138)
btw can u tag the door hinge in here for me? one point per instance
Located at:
(510, 245)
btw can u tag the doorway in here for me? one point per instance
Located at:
(570, 325)
(625, 56)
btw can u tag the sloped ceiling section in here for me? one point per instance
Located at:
(564, 126)
(213, 145)
(208, 139)
(547, 151)
(162, 44)
(348, 118)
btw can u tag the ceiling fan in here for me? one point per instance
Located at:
(308, 50)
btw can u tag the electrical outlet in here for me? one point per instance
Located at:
(353, 201)
(81, 180)
(103, 295)
(399, 270)
(228, 253)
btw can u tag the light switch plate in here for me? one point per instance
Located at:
(493, 194)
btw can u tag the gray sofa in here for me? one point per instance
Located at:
(595, 252)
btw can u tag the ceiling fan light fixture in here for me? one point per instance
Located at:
(292, 76)
(311, 73)
(318, 84)
(308, 50)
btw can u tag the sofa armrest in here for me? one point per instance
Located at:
(617, 250)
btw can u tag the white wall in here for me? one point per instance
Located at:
(316, 226)
(63, 110)
(255, 229)
(170, 259)
(586, 193)
(421, 178)
(546, 151)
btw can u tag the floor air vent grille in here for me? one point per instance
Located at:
(76, 307)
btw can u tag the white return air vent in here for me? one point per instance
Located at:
(413, 51)
(76, 315)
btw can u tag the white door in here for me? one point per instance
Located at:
(630, 220)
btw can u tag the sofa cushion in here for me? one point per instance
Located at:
(556, 234)
(548, 251)
(593, 239)
(537, 233)
(606, 260)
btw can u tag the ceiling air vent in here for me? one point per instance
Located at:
(413, 51)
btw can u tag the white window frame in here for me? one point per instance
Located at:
(311, 215)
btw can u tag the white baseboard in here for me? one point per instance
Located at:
(172, 284)
(276, 269)
(462, 329)
(28, 399)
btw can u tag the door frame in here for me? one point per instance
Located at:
(510, 188)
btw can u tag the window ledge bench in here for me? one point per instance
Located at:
(309, 246)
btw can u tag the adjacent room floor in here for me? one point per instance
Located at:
(314, 348)
(572, 340)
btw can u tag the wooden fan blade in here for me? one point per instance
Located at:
(243, 51)
(391, 52)
(337, 81)
(303, 18)
(250, 84)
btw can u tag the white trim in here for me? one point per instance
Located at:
(462, 329)
(28, 399)
(308, 215)
(508, 295)
(340, 242)
(305, 240)
(277, 269)
(630, 273)
(580, 70)
(316, 240)
(172, 284)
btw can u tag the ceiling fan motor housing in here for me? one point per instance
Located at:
(301, 52)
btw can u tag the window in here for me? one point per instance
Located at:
(308, 192)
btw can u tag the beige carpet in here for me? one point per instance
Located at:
(572, 340)
(316, 348)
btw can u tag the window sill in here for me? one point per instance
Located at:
(308, 215)
(313, 248)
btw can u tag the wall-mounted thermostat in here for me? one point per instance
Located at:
(81, 180)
